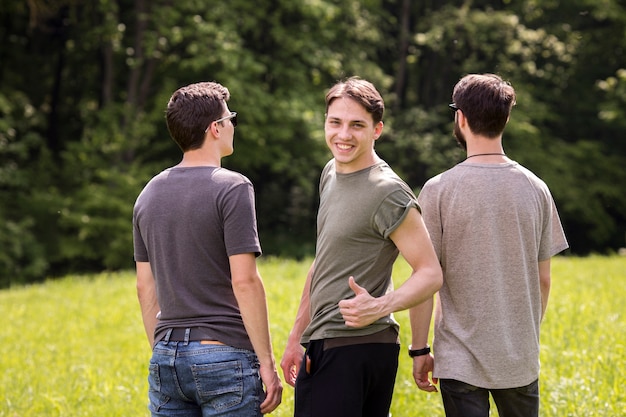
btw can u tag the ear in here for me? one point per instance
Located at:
(378, 130)
(213, 130)
(461, 118)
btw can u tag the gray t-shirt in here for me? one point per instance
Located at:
(186, 223)
(490, 225)
(357, 213)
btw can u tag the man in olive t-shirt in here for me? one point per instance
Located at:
(367, 216)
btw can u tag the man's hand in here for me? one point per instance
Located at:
(273, 389)
(361, 310)
(291, 362)
(422, 366)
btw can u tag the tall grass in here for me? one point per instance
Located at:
(76, 346)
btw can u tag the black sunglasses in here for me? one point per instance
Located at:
(453, 107)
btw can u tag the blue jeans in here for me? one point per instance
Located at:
(199, 380)
(465, 400)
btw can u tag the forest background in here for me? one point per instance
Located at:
(84, 86)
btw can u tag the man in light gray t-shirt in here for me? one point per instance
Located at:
(494, 226)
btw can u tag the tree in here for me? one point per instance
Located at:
(84, 87)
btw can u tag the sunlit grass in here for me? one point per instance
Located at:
(73, 347)
(76, 346)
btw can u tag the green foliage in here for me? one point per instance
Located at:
(470, 40)
(22, 257)
(85, 84)
(79, 349)
(612, 109)
(103, 177)
(594, 182)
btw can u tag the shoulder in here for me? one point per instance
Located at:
(231, 177)
(328, 169)
(328, 172)
(527, 172)
(383, 175)
(447, 176)
(390, 187)
(532, 178)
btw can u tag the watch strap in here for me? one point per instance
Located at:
(419, 352)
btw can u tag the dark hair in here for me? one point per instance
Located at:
(190, 111)
(361, 91)
(486, 101)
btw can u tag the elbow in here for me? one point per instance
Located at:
(544, 283)
(144, 288)
(437, 279)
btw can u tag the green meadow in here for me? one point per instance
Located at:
(76, 346)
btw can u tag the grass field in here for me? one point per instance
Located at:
(76, 346)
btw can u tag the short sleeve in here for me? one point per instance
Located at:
(240, 226)
(393, 211)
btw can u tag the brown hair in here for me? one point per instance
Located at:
(191, 109)
(486, 101)
(361, 91)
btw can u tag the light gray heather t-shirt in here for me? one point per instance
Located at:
(357, 213)
(187, 222)
(490, 225)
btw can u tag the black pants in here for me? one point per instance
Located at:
(346, 381)
(465, 400)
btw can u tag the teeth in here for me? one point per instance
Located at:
(344, 147)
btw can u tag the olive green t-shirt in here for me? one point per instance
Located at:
(357, 213)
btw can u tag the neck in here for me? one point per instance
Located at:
(199, 158)
(351, 166)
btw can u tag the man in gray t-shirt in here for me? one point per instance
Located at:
(202, 299)
(494, 226)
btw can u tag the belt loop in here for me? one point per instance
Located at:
(187, 332)
(166, 339)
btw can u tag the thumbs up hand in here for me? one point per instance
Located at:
(361, 310)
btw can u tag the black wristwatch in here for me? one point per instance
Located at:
(419, 352)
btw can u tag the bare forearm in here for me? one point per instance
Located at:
(420, 287)
(150, 321)
(544, 285)
(146, 294)
(253, 307)
(250, 294)
(303, 316)
(292, 356)
(364, 309)
(423, 365)
(420, 317)
(413, 241)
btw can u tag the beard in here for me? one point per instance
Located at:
(460, 138)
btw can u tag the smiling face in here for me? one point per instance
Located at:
(350, 135)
